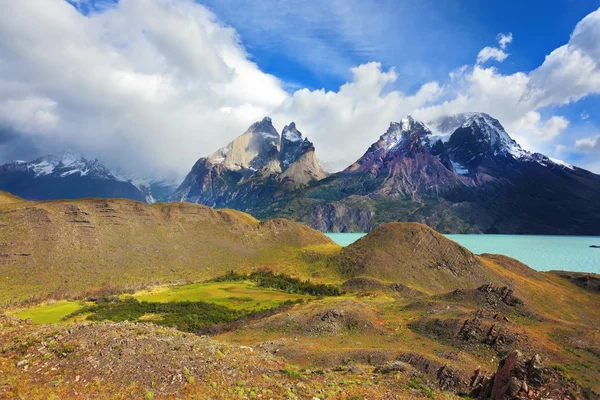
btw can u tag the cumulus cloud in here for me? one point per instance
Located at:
(143, 85)
(588, 145)
(544, 131)
(504, 39)
(491, 53)
(572, 71)
(149, 86)
(494, 53)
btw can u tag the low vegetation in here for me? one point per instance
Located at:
(186, 316)
(276, 325)
(269, 279)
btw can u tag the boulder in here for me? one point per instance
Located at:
(517, 377)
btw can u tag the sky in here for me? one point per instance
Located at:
(150, 86)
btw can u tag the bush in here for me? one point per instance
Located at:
(185, 315)
(269, 279)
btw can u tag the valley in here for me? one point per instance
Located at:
(234, 307)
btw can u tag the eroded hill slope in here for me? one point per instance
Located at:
(65, 248)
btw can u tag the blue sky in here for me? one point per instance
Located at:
(422, 39)
(200, 71)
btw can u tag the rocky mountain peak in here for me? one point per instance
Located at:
(406, 134)
(290, 133)
(264, 127)
(252, 150)
(293, 146)
(62, 165)
(407, 123)
(481, 136)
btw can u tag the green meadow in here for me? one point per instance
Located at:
(236, 295)
(49, 313)
(240, 296)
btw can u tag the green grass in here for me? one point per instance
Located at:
(184, 315)
(240, 296)
(270, 280)
(235, 295)
(49, 314)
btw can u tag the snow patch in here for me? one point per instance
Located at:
(459, 169)
(42, 168)
(407, 123)
(292, 136)
(561, 163)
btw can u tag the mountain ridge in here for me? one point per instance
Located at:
(458, 174)
(64, 176)
(476, 180)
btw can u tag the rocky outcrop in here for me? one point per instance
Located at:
(444, 376)
(499, 293)
(517, 377)
(587, 281)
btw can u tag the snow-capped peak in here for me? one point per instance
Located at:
(500, 141)
(561, 163)
(63, 165)
(400, 131)
(291, 134)
(407, 123)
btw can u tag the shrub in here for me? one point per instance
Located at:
(269, 279)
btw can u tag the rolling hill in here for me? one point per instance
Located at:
(66, 247)
(423, 316)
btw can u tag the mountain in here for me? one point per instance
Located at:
(253, 169)
(465, 174)
(64, 176)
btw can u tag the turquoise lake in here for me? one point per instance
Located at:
(543, 253)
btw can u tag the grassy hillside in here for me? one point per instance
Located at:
(7, 198)
(416, 256)
(62, 249)
(421, 312)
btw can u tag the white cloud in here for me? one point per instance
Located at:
(588, 145)
(504, 39)
(142, 85)
(491, 53)
(584, 115)
(343, 124)
(494, 53)
(152, 85)
(572, 71)
(532, 124)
